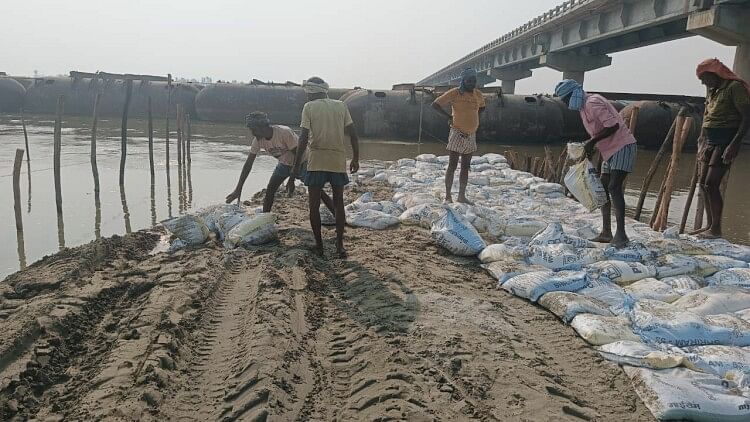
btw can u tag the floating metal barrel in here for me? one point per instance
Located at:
(79, 93)
(11, 95)
(655, 118)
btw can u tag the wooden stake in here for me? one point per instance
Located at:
(17, 188)
(669, 183)
(166, 138)
(677, 122)
(188, 137)
(124, 129)
(659, 199)
(94, 168)
(57, 146)
(25, 136)
(691, 193)
(179, 135)
(150, 140)
(125, 211)
(634, 118)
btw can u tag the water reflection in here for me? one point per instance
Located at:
(125, 211)
(153, 202)
(169, 193)
(21, 249)
(60, 231)
(190, 183)
(28, 172)
(97, 216)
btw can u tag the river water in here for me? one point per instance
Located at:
(218, 152)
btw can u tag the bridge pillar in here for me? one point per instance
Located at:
(726, 24)
(574, 66)
(742, 61)
(508, 78)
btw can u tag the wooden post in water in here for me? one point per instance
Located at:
(189, 134)
(57, 146)
(179, 135)
(634, 118)
(169, 106)
(691, 193)
(28, 156)
(94, 123)
(17, 188)
(124, 129)
(669, 183)
(677, 122)
(150, 140)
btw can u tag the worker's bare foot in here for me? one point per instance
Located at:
(341, 251)
(463, 200)
(620, 241)
(603, 238)
(318, 250)
(448, 199)
(699, 231)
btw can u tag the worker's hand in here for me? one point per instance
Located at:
(354, 166)
(450, 121)
(731, 153)
(290, 184)
(588, 148)
(235, 195)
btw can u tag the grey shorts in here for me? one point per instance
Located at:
(623, 160)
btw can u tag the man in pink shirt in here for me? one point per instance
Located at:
(617, 146)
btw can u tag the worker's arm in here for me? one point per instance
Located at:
(442, 111)
(351, 130)
(734, 148)
(246, 168)
(303, 140)
(604, 134)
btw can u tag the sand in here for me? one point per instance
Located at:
(399, 331)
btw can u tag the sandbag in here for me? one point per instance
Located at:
(679, 246)
(566, 305)
(554, 234)
(713, 300)
(546, 187)
(728, 362)
(562, 256)
(421, 215)
(674, 265)
(683, 284)
(634, 252)
(493, 158)
(410, 201)
(533, 285)
(371, 219)
(523, 227)
(211, 214)
(227, 221)
(620, 272)
(254, 230)
(453, 233)
(502, 251)
(724, 248)
(651, 288)
(585, 185)
(659, 322)
(683, 394)
(189, 228)
(618, 300)
(392, 208)
(505, 269)
(406, 162)
(427, 158)
(739, 277)
(643, 355)
(708, 265)
(575, 150)
(599, 330)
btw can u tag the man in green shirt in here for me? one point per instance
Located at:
(326, 124)
(725, 123)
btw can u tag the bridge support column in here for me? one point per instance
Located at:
(509, 78)
(574, 75)
(573, 66)
(509, 86)
(742, 61)
(726, 24)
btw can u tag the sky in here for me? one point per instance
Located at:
(372, 44)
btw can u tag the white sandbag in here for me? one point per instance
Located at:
(421, 215)
(618, 300)
(453, 233)
(728, 362)
(371, 219)
(644, 355)
(583, 182)
(254, 230)
(651, 288)
(357, 206)
(725, 248)
(562, 256)
(501, 251)
(478, 160)
(683, 394)
(326, 216)
(621, 272)
(524, 227)
(427, 158)
(210, 215)
(380, 177)
(533, 285)
(227, 221)
(406, 162)
(479, 168)
(660, 322)
(189, 228)
(634, 252)
(713, 300)
(675, 264)
(739, 277)
(566, 305)
(410, 201)
(599, 330)
(679, 246)
(479, 180)
(392, 208)
(708, 265)
(554, 234)
(575, 150)
(505, 269)
(683, 284)
(545, 188)
(493, 158)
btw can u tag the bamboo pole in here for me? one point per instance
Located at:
(28, 157)
(669, 183)
(166, 137)
(677, 122)
(153, 203)
(124, 129)
(17, 188)
(97, 216)
(94, 123)
(179, 135)
(21, 250)
(57, 146)
(125, 211)
(700, 210)
(150, 140)
(60, 231)
(188, 137)
(691, 193)
(659, 199)
(634, 118)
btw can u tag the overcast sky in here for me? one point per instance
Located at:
(367, 43)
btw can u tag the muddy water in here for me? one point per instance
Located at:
(218, 151)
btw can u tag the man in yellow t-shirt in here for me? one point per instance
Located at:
(467, 103)
(326, 124)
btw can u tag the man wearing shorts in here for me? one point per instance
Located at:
(326, 124)
(617, 147)
(467, 103)
(725, 123)
(280, 142)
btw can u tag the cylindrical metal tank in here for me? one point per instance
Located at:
(79, 95)
(11, 95)
(655, 118)
(506, 119)
(231, 102)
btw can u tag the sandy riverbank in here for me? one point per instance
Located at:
(400, 330)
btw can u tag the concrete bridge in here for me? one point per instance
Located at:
(579, 35)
